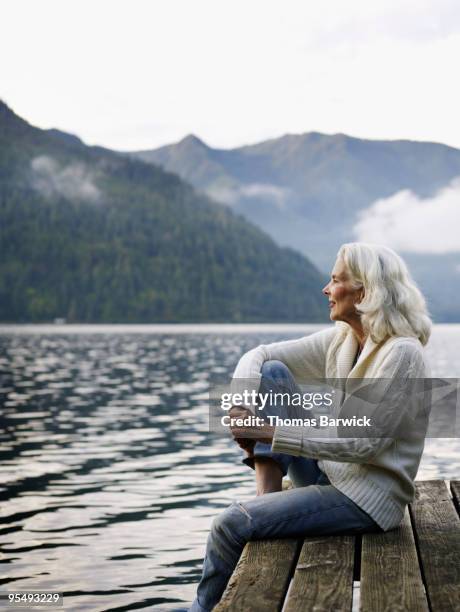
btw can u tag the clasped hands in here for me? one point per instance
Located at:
(247, 435)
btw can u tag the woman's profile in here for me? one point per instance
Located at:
(341, 485)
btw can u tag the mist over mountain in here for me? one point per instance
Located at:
(314, 192)
(94, 236)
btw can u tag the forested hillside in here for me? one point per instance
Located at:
(92, 236)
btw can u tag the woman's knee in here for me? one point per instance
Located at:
(275, 370)
(232, 525)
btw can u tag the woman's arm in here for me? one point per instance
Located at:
(403, 366)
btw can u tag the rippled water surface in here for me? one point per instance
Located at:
(109, 479)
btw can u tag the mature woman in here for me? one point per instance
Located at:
(345, 485)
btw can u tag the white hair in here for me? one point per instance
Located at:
(392, 304)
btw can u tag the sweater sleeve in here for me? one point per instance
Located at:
(305, 357)
(386, 415)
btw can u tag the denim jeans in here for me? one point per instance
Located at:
(312, 507)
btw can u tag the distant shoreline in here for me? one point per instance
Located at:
(154, 328)
(166, 328)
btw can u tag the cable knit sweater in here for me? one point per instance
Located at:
(376, 473)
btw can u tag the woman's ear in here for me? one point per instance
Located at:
(361, 295)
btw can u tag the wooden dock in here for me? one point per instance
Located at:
(413, 568)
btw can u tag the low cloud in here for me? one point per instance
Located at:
(225, 195)
(264, 191)
(408, 223)
(73, 181)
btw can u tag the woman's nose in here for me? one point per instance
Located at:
(325, 289)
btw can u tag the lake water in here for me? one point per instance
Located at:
(109, 478)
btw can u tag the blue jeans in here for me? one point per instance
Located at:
(313, 507)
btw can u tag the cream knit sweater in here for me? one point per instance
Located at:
(376, 473)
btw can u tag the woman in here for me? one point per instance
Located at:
(343, 485)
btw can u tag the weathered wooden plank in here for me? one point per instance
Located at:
(323, 579)
(455, 489)
(261, 578)
(390, 572)
(437, 535)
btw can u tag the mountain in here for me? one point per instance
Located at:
(309, 191)
(90, 235)
(65, 136)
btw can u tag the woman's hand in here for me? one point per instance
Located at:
(247, 435)
(245, 443)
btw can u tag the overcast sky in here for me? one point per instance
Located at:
(141, 73)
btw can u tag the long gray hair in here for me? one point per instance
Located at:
(392, 304)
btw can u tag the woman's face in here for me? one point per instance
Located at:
(342, 295)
